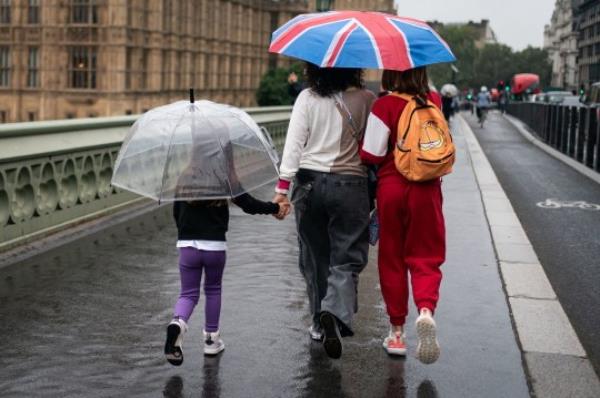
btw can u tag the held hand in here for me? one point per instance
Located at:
(284, 210)
(284, 206)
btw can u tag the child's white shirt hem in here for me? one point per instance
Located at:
(207, 245)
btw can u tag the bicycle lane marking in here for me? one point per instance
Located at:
(557, 204)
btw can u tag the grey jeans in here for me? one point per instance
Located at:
(332, 217)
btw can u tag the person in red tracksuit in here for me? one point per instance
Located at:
(412, 232)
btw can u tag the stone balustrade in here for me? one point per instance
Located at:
(57, 173)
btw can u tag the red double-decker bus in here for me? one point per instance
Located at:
(525, 84)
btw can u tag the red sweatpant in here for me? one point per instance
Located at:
(412, 238)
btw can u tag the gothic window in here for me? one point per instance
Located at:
(167, 15)
(33, 12)
(32, 67)
(82, 67)
(4, 66)
(4, 11)
(84, 11)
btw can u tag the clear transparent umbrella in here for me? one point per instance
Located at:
(449, 89)
(195, 151)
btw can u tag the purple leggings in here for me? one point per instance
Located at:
(191, 263)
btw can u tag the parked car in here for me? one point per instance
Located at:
(556, 97)
(593, 99)
(536, 98)
(572, 100)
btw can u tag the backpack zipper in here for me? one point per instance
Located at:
(436, 161)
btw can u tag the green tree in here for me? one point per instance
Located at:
(489, 64)
(535, 60)
(461, 39)
(273, 87)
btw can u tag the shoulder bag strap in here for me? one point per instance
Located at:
(343, 109)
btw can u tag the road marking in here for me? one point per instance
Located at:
(557, 204)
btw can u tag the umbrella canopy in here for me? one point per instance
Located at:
(449, 89)
(195, 151)
(358, 39)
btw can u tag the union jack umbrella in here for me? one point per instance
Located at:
(358, 39)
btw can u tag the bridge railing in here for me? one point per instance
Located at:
(574, 131)
(54, 174)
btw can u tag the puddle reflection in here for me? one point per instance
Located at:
(173, 388)
(427, 390)
(323, 379)
(211, 388)
(395, 384)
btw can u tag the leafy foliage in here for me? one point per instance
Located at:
(273, 87)
(489, 64)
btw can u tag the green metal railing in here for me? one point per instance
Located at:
(54, 174)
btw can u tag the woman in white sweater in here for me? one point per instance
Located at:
(330, 195)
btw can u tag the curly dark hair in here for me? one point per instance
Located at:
(328, 81)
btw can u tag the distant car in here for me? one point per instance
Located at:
(556, 97)
(593, 99)
(536, 98)
(572, 100)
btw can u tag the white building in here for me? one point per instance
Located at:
(560, 40)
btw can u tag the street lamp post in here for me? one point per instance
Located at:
(324, 5)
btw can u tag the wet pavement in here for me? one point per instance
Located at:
(88, 319)
(565, 239)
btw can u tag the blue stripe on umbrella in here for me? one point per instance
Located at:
(355, 54)
(424, 46)
(312, 45)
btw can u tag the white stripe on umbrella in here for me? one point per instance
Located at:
(290, 24)
(373, 43)
(418, 25)
(337, 43)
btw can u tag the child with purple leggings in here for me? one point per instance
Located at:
(201, 228)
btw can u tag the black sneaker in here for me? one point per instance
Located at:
(332, 341)
(173, 345)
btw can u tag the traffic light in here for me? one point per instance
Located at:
(500, 85)
(507, 88)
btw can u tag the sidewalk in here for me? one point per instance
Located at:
(92, 316)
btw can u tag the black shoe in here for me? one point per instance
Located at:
(332, 341)
(173, 345)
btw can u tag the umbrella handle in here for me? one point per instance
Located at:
(192, 95)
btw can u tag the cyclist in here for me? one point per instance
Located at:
(484, 101)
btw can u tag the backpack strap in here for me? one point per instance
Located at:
(420, 105)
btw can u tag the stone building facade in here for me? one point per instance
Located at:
(588, 24)
(86, 58)
(560, 40)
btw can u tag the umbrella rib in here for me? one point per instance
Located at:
(162, 184)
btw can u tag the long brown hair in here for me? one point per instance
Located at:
(412, 81)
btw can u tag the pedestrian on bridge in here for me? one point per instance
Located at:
(412, 232)
(201, 228)
(330, 196)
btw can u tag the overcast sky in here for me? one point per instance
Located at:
(517, 23)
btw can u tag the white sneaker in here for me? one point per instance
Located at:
(394, 343)
(315, 333)
(174, 343)
(428, 347)
(213, 343)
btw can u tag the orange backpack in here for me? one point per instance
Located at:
(424, 149)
